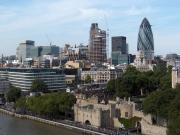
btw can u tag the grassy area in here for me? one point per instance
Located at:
(129, 123)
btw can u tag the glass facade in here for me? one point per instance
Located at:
(22, 78)
(24, 50)
(145, 41)
(118, 58)
(119, 44)
(49, 50)
(29, 50)
(119, 50)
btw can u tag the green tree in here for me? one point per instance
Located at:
(39, 86)
(13, 94)
(21, 104)
(111, 86)
(88, 79)
(158, 103)
(52, 105)
(174, 114)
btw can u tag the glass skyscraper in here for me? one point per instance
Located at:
(119, 50)
(145, 43)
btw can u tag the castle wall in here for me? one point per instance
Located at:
(148, 129)
(85, 114)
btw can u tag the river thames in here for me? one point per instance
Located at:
(14, 126)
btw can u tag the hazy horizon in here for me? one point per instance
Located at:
(69, 21)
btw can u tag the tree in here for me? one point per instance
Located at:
(158, 103)
(51, 105)
(149, 104)
(21, 105)
(174, 114)
(39, 86)
(13, 94)
(111, 86)
(88, 79)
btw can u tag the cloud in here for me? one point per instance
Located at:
(6, 14)
(69, 20)
(134, 11)
(57, 11)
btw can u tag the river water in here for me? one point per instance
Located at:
(14, 126)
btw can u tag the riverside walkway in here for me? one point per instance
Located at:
(69, 124)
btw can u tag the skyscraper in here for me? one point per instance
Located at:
(145, 47)
(145, 43)
(119, 50)
(97, 44)
(119, 44)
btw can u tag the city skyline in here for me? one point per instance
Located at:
(60, 22)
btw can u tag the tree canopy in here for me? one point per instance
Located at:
(52, 104)
(165, 104)
(38, 86)
(88, 79)
(135, 83)
(13, 94)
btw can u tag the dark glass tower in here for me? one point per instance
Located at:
(145, 43)
(119, 50)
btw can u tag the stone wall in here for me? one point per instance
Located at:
(148, 129)
(83, 115)
(126, 109)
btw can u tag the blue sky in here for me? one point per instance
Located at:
(68, 21)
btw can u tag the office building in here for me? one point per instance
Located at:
(97, 45)
(28, 49)
(22, 77)
(119, 44)
(23, 51)
(119, 50)
(77, 52)
(101, 75)
(173, 60)
(145, 43)
(145, 47)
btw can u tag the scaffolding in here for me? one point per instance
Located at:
(98, 45)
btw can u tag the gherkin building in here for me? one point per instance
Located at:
(145, 41)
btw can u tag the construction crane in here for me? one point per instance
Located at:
(107, 38)
(49, 41)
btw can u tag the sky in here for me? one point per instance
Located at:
(68, 21)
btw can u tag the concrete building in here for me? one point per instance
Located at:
(101, 75)
(72, 76)
(28, 49)
(173, 60)
(97, 45)
(77, 64)
(23, 51)
(23, 77)
(77, 52)
(175, 76)
(119, 50)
